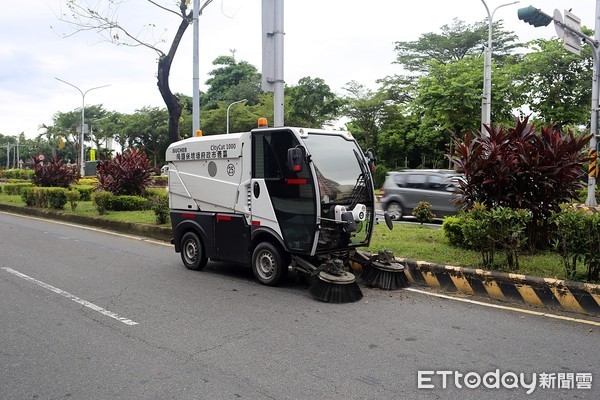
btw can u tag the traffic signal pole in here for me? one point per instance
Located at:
(593, 167)
(536, 17)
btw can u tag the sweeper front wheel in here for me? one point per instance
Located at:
(192, 252)
(268, 264)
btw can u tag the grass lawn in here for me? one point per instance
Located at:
(405, 240)
(427, 243)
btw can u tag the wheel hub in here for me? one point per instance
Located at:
(191, 251)
(266, 265)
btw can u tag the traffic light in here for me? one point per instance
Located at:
(534, 16)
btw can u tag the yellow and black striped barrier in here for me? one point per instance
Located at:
(578, 297)
(593, 167)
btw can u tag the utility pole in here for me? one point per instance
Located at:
(593, 168)
(272, 48)
(196, 66)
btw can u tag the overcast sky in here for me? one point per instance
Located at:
(336, 40)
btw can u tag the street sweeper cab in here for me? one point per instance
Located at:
(275, 199)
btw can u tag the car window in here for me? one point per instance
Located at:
(399, 180)
(416, 181)
(435, 182)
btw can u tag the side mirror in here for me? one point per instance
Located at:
(295, 159)
(388, 220)
(371, 159)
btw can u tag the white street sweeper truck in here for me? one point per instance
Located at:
(279, 199)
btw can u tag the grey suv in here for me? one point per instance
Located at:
(403, 190)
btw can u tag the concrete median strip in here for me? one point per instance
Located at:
(583, 298)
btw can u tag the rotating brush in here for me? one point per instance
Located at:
(384, 272)
(335, 286)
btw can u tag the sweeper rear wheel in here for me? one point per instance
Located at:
(192, 252)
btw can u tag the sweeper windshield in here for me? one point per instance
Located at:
(344, 181)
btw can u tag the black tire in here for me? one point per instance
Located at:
(192, 252)
(269, 264)
(394, 210)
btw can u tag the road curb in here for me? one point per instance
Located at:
(150, 231)
(583, 298)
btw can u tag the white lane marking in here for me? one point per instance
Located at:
(89, 228)
(521, 310)
(68, 295)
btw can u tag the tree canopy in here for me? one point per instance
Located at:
(409, 119)
(454, 43)
(231, 81)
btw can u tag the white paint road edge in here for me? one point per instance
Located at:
(443, 296)
(70, 296)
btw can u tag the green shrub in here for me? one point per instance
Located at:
(160, 206)
(27, 196)
(509, 231)
(35, 197)
(422, 212)
(128, 203)
(592, 254)
(102, 200)
(57, 198)
(26, 174)
(14, 189)
(23, 174)
(73, 197)
(453, 230)
(577, 238)
(498, 229)
(154, 191)
(85, 191)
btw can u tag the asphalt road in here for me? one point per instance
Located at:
(91, 315)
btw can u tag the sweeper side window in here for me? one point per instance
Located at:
(291, 192)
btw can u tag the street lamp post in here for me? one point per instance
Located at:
(81, 154)
(235, 102)
(486, 101)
